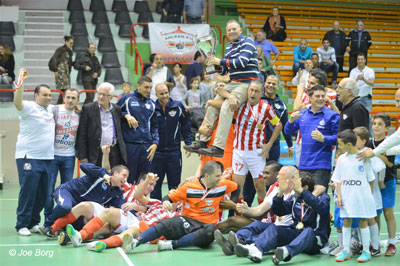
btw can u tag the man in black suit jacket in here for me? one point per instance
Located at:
(99, 125)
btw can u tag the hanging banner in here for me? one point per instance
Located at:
(176, 42)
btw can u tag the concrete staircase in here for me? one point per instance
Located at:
(44, 31)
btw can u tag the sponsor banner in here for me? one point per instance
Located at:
(176, 42)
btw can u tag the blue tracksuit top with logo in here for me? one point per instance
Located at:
(143, 110)
(315, 154)
(92, 187)
(172, 122)
(315, 212)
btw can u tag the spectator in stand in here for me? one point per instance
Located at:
(266, 64)
(301, 53)
(172, 9)
(159, 73)
(354, 113)
(194, 11)
(315, 60)
(303, 74)
(178, 92)
(275, 26)
(194, 69)
(337, 39)
(192, 97)
(90, 68)
(267, 46)
(365, 77)
(61, 63)
(66, 118)
(327, 60)
(7, 65)
(207, 86)
(360, 41)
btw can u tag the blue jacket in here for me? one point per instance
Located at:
(93, 188)
(240, 60)
(281, 111)
(298, 55)
(315, 213)
(315, 154)
(143, 110)
(171, 124)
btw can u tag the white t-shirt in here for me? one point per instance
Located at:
(379, 168)
(66, 127)
(36, 132)
(364, 88)
(354, 176)
(159, 76)
(285, 220)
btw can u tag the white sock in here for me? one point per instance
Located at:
(346, 238)
(340, 239)
(365, 238)
(374, 233)
(392, 241)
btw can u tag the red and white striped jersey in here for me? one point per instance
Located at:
(128, 192)
(156, 213)
(250, 125)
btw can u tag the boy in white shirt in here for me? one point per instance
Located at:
(354, 180)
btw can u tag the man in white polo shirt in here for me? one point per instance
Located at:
(34, 154)
(365, 77)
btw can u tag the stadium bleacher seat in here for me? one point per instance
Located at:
(145, 32)
(106, 44)
(110, 60)
(102, 30)
(99, 16)
(114, 75)
(122, 17)
(79, 29)
(8, 40)
(158, 7)
(76, 16)
(7, 28)
(97, 5)
(6, 96)
(81, 44)
(74, 5)
(119, 5)
(141, 6)
(145, 17)
(125, 31)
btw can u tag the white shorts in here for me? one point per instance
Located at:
(97, 210)
(245, 161)
(127, 220)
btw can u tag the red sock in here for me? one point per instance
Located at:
(92, 226)
(63, 221)
(113, 242)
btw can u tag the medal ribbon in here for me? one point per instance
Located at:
(18, 82)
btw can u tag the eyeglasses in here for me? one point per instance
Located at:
(104, 95)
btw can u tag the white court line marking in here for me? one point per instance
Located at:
(26, 245)
(123, 254)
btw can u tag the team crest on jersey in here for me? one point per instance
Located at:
(345, 116)
(187, 206)
(277, 106)
(209, 202)
(322, 122)
(172, 113)
(361, 168)
(147, 105)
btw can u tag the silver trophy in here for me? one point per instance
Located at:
(207, 46)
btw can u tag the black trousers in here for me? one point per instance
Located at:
(89, 85)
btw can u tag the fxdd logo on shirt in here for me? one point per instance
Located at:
(352, 182)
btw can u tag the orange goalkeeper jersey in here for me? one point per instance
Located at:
(199, 203)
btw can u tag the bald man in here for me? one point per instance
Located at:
(337, 39)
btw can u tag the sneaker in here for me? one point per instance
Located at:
(74, 235)
(221, 240)
(281, 253)
(24, 232)
(194, 147)
(343, 256)
(63, 238)
(336, 251)
(233, 240)
(249, 251)
(128, 243)
(34, 229)
(46, 231)
(97, 246)
(213, 151)
(164, 245)
(391, 250)
(375, 252)
(364, 257)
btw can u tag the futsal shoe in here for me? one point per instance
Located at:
(46, 231)
(233, 240)
(364, 257)
(63, 238)
(164, 245)
(97, 246)
(74, 235)
(343, 256)
(280, 254)
(24, 232)
(35, 229)
(221, 240)
(249, 251)
(128, 243)
(391, 250)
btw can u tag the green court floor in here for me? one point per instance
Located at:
(36, 250)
